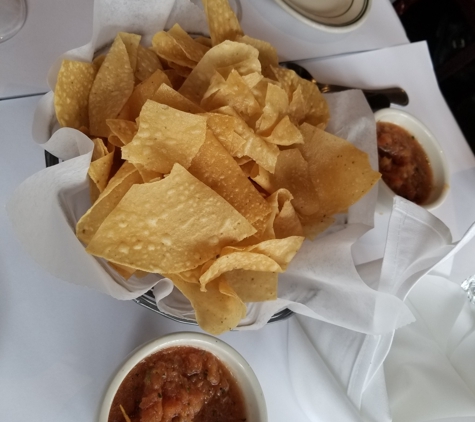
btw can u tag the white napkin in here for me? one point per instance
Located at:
(430, 369)
(338, 375)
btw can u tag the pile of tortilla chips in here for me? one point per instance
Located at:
(210, 164)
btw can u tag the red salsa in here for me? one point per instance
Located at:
(179, 384)
(403, 163)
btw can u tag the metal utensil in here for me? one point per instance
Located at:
(377, 98)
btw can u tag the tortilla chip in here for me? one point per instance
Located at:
(100, 170)
(143, 92)
(168, 96)
(253, 286)
(169, 226)
(71, 94)
(111, 89)
(131, 42)
(238, 260)
(118, 186)
(125, 130)
(166, 136)
(216, 312)
(147, 63)
(341, 172)
(267, 53)
(215, 167)
(292, 173)
(192, 49)
(241, 57)
(222, 21)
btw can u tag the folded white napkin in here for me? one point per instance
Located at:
(430, 369)
(337, 373)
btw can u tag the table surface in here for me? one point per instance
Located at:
(61, 343)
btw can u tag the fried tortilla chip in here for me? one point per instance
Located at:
(169, 226)
(111, 89)
(71, 94)
(166, 136)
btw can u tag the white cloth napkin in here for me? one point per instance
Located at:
(430, 369)
(337, 373)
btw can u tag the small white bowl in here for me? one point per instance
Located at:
(335, 16)
(434, 152)
(236, 364)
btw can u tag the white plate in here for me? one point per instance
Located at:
(434, 152)
(329, 15)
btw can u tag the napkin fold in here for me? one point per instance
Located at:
(339, 375)
(430, 369)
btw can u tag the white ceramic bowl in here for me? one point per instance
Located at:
(237, 366)
(434, 152)
(335, 16)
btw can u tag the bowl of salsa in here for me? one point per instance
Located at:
(411, 161)
(184, 376)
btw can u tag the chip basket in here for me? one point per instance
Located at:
(147, 300)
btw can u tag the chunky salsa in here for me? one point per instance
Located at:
(179, 384)
(403, 163)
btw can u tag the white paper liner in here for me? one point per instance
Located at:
(321, 282)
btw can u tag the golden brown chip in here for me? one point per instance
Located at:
(292, 173)
(166, 136)
(238, 261)
(71, 94)
(276, 106)
(168, 96)
(169, 226)
(125, 130)
(170, 50)
(308, 97)
(182, 71)
(241, 57)
(341, 172)
(262, 177)
(100, 170)
(287, 222)
(232, 92)
(115, 140)
(100, 149)
(118, 186)
(285, 133)
(147, 63)
(123, 270)
(131, 42)
(222, 21)
(315, 224)
(143, 92)
(246, 167)
(223, 128)
(262, 152)
(111, 89)
(267, 53)
(215, 167)
(217, 310)
(148, 175)
(204, 40)
(192, 49)
(253, 286)
(282, 251)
